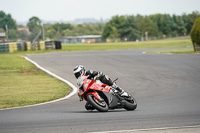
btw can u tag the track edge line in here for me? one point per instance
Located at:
(148, 129)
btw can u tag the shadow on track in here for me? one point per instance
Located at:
(95, 111)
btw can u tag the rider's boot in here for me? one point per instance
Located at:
(120, 90)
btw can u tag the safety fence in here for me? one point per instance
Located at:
(27, 46)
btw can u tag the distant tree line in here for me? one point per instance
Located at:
(59, 30)
(119, 28)
(148, 27)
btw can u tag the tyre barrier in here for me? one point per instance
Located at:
(53, 45)
(4, 48)
(27, 46)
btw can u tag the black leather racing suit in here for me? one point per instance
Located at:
(99, 75)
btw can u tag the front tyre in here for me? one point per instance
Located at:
(130, 104)
(101, 106)
(89, 107)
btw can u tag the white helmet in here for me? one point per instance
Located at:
(79, 71)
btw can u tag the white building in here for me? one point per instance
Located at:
(81, 39)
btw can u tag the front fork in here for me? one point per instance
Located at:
(96, 95)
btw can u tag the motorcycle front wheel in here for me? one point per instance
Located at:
(101, 106)
(89, 107)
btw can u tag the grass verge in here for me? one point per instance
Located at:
(128, 45)
(21, 83)
(177, 51)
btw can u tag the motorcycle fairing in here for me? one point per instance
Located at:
(112, 100)
(95, 94)
(89, 84)
(103, 87)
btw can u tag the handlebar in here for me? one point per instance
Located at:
(115, 80)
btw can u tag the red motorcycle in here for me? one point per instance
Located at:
(101, 97)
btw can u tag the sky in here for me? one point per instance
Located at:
(67, 10)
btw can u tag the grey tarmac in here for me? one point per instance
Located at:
(166, 87)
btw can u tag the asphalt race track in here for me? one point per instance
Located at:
(166, 87)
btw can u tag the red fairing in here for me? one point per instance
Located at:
(89, 84)
(80, 92)
(95, 94)
(94, 86)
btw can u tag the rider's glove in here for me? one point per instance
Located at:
(96, 77)
(81, 98)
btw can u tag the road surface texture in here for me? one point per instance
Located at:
(165, 86)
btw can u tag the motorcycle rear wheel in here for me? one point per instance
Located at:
(100, 106)
(130, 104)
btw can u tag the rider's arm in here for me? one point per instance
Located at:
(92, 73)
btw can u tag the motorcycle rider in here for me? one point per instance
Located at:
(80, 73)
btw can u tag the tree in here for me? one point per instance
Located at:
(190, 18)
(23, 35)
(130, 31)
(34, 25)
(1, 30)
(178, 26)
(195, 35)
(12, 34)
(114, 34)
(115, 28)
(110, 32)
(34, 33)
(49, 31)
(34, 22)
(146, 26)
(6, 19)
(106, 31)
(66, 26)
(164, 23)
(118, 25)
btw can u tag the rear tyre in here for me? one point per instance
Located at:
(130, 104)
(101, 106)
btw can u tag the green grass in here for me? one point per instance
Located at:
(21, 83)
(127, 45)
(177, 51)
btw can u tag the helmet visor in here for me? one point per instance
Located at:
(78, 74)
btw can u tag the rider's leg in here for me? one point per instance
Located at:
(120, 90)
(106, 80)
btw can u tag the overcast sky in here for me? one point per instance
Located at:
(67, 10)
